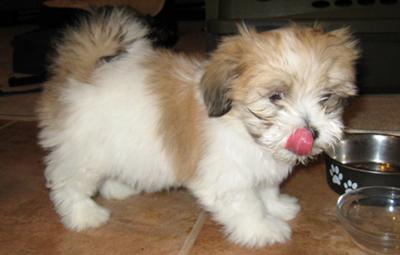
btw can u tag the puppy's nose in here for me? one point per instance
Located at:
(314, 132)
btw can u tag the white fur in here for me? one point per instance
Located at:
(232, 180)
(108, 146)
(109, 142)
(104, 139)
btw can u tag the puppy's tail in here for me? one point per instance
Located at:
(100, 36)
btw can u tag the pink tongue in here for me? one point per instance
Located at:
(300, 142)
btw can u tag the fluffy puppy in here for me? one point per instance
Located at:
(120, 117)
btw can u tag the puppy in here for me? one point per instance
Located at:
(120, 117)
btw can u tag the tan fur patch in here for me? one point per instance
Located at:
(99, 36)
(173, 80)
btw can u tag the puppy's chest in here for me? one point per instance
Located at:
(271, 171)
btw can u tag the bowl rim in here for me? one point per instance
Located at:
(348, 224)
(361, 169)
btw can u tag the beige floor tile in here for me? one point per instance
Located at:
(19, 106)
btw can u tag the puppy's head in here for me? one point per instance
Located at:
(287, 86)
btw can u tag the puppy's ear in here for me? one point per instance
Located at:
(345, 37)
(350, 53)
(216, 84)
(222, 70)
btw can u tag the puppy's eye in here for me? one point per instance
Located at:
(276, 96)
(325, 97)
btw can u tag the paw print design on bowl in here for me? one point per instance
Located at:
(337, 176)
(350, 185)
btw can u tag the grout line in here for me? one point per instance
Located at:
(8, 124)
(194, 233)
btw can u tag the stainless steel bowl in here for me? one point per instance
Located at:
(361, 160)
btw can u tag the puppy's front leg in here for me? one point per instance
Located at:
(245, 219)
(279, 205)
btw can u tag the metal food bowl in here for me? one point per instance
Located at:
(361, 160)
(371, 215)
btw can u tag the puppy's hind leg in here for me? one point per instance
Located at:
(71, 196)
(114, 189)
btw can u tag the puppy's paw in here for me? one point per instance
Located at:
(256, 234)
(285, 207)
(112, 189)
(84, 214)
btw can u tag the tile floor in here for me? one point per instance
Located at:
(160, 223)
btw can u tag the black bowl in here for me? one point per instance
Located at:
(363, 159)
